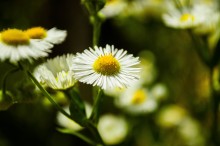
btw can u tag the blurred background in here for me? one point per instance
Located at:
(172, 54)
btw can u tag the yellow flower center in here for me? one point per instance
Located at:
(106, 65)
(187, 17)
(14, 37)
(139, 97)
(36, 33)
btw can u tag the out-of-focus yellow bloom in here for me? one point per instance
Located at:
(136, 100)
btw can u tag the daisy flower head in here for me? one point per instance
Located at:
(53, 35)
(106, 67)
(188, 17)
(16, 45)
(136, 100)
(56, 72)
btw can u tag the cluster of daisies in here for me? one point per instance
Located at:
(189, 14)
(201, 16)
(142, 97)
(33, 43)
(104, 67)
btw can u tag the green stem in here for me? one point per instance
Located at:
(47, 95)
(93, 129)
(215, 107)
(79, 135)
(5, 79)
(178, 4)
(96, 107)
(96, 22)
(201, 49)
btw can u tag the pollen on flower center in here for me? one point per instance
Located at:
(139, 97)
(187, 17)
(14, 37)
(36, 33)
(106, 65)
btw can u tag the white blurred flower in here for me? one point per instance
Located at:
(190, 131)
(187, 17)
(56, 72)
(106, 67)
(170, 116)
(113, 7)
(113, 129)
(210, 29)
(114, 92)
(15, 45)
(65, 122)
(148, 69)
(136, 100)
(53, 35)
(159, 91)
(144, 8)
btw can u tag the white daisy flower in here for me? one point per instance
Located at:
(136, 100)
(53, 35)
(15, 45)
(113, 129)
(188, 17)
(56, 72)
(106, 67)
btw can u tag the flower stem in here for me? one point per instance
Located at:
(201, 49)
(215, 107)
(96, 107)
(5, 79)
(79, 135)
(96, 22)
(93, 129)
(47, 95)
